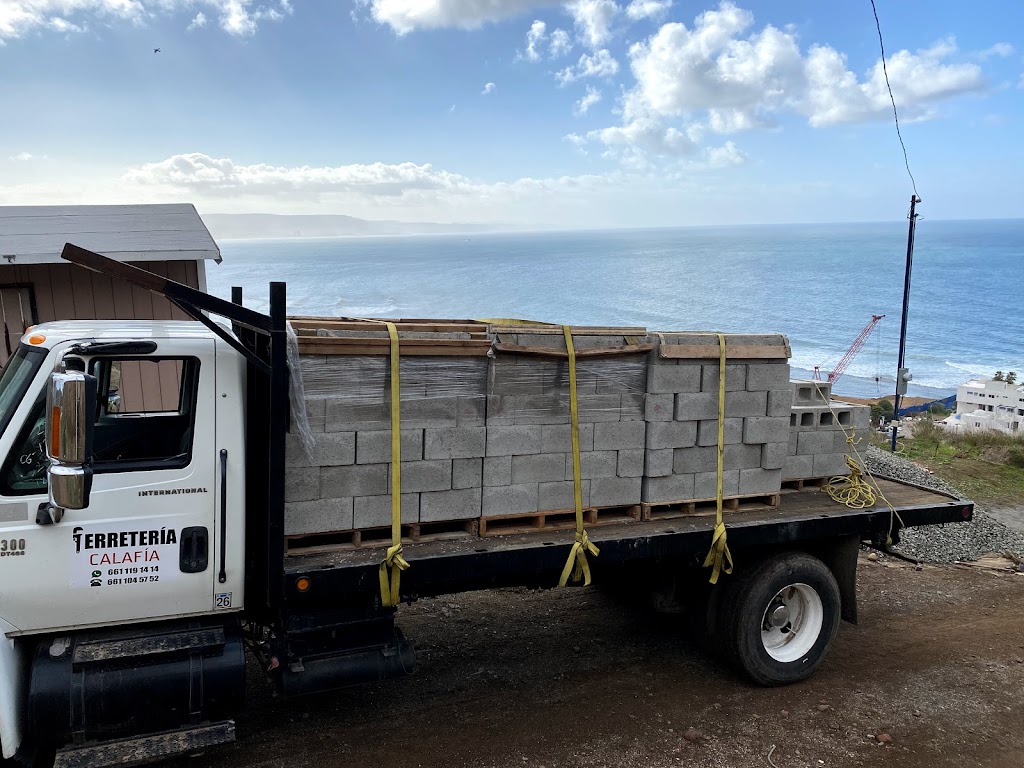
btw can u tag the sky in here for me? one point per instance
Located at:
(523, 113)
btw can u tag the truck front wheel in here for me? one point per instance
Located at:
(780, 618)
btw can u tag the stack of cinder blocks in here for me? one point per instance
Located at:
(817, 442)
(346, 483)
(528, 465)
(682, 416)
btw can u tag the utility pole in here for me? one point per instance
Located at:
(903, 375)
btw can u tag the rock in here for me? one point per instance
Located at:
(692, 735)
(873, 557)
(784, 713)
(824, 707)
(916, 713)
(883, 738)
(576, 649)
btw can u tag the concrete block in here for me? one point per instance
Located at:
(688, 461)
(430, 412)
(743, 456)
(594, 408)
(510, 499)
(806, 418)
(793, 439)
(631, 463)
(467, 473)
(559, 495)
(538, 468)
(346, 415)
(693, 407)
(840, 445)
(762, 377)
(375, 511)
(735, 377)
(830, 464)
(319, 516)
(557, 438)
(705, 484)
(671, 434)
(659, 407)
(513, 441)
(334, 449)
(632, 407)
(302, 484)
(454, 442)
(593, 464)
(538, 409)
(462, 504)
(658, 463)
(316, 413)
(619, 436)
(810, 443)
(757, 481)
(497, 470)
(798, 467)
(419, 476)
(744, 404)
(669, 488)
(374, 446)
(498, 412)
(615, 491)
(707, 431)
(357, 480)
(764, 429)
(774, 455)
(811, 392)
(780, 402)
(663, 379)
(471, 411)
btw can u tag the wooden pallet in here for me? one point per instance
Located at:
(366, 538)
(557, 520)
(804, 483)
(668, 510)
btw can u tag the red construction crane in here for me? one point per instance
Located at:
(850, 353)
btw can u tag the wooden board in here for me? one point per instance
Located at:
(557, 519)
(340, 345)
(732, 352)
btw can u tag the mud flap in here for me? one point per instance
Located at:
(146, 749)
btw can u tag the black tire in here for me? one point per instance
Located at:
(744, 612)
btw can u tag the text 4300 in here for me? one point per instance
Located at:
(132, 580)
(133, 571)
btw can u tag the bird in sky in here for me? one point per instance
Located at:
(156, 50)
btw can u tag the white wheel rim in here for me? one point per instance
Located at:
(792, 622)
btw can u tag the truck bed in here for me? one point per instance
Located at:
(458, 564)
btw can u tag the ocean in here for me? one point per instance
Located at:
(819, 284)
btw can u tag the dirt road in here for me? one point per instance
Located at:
(571, 678)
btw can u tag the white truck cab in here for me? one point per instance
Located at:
(160, 531)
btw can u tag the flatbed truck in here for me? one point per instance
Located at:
(142, 554)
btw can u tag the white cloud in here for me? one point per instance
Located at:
(24, 157)
(723, 75)
(601, 64)
(237, 17)
(488, 88)
(647, 9)
(404, 16)
(593, 20)
(1001, 50)
(198, 22)
(534, 39)
(561, 43)
(589, 99)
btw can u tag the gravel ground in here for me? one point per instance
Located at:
(957, 541)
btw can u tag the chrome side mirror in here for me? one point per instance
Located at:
(70, 406)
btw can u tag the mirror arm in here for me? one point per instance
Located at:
(48, 514)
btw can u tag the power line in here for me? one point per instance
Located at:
(895, 114)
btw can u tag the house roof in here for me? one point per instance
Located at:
(37, 234)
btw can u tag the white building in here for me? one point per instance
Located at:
(990, 405)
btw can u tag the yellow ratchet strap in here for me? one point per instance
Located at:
(582, 546)
(393, 564)
(719, 557)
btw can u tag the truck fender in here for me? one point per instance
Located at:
(14, 661)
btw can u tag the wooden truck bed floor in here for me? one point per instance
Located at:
(438, 567)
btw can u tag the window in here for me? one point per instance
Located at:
(17, 375)
(145, 413)
(24, 471)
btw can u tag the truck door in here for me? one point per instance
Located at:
(143, 548)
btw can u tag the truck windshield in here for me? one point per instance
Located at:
(17, 375)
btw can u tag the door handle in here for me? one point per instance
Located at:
(194, 549)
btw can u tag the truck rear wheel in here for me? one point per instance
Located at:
(780, 618)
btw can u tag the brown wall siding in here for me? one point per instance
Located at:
(69, 292)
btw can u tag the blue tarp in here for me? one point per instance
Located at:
(946, 402)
